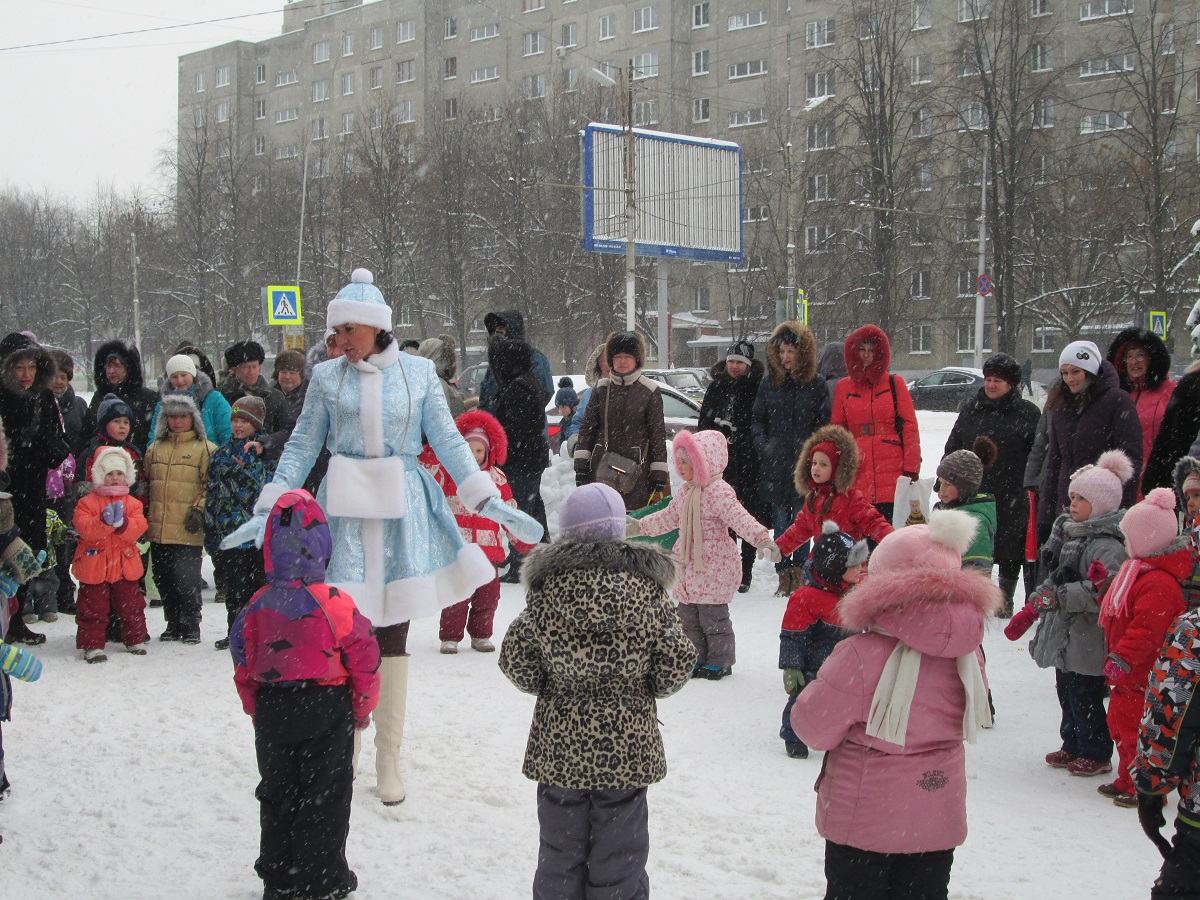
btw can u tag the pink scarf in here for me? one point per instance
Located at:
(1115, 599)
(111, 490)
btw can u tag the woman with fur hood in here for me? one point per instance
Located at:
(792, 402)
(892, 706)
(117, 369)
(875, 406)
(728, 407)
(441, 350)
(1143, 364)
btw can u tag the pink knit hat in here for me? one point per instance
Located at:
(1100, 485)
(1150, 526)
(938, 545)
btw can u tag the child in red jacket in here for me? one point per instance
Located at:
(1136, 614)
(487, 440)
(825, 474)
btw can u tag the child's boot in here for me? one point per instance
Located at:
(95, 655)
(482, 645)
(389, 728)
(1008, 587)
(797, 749)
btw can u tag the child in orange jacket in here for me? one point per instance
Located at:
(107, 564)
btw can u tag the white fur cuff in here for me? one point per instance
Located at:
(476, 488)
(269, 497)
(345, 312)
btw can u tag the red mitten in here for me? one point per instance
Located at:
(1113, 671)
(1021, 622)
(1097, 573)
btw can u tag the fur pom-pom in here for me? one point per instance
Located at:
(362, 276)
(953, 528)
(1118, 463)
(987, 451)
(829, 526)
(1163, 498)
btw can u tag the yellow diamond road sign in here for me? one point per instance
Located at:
(283, 305)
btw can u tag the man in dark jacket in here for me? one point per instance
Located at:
(728, 407)
(244, 361)
(511, 325)
(117, 369)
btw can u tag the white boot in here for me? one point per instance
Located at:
(389, 727)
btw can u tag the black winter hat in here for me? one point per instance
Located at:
(1003, 366)
(624, 342)
(11, 343)
(244, 352)
(740, 351)
(834, 552)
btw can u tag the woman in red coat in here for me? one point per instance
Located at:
(875, 407)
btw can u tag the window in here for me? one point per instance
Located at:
(533, 43)
(755, 262)
(817, 84)
(1168, 39)
(200, 82)
(1041, 57)
(971, 10)
(260, 109)
(645, 112)
(402, 112)
(291, 114)
(406, 71)
(971, 117)
(1041, 8)
(223, 76)
(486, 32)
(1103, 9)
(922, 15)
(972, 59)
(532, 5)
(967, 230)
(1106, 65)
(967, 282)
(700, 109)
(450, 106)
(1167, 92)
(816, 188)
(347, 124)
(820, 136)
(645, 18)
(818, 34)
(755, 214)
(450, 28)
(223, 111)
(1045, 169)
(866, 25)
(922, 123)
(347, 84)
(922, 177)
(818, 238)
(320, 90)
(533, 87)
(260, 145)
(748, 20)
(748, 69)
(285, 78)
(608, 27)
(920, 339)
(645, 65)
(1104, 121)
(700, 15)
(746, 117)
(966, 337)
(1043, 113)
(450, 68)
(377, 117)
(920, 284)
(570, 34)
(970, 172)
(198, 117)
(290, 152)
(320, 128)
(347, 45)
(701, 298)
(260, 74)
(488, 73)
(320, 167)
(921, 69)
(376, 38)
(570, 80)
(1046, 340)
(699, 62)
(376, 76)
(320, 52)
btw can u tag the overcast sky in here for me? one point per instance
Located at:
(100, 112)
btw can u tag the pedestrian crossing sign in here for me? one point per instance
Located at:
(1158, 323)
(283, 305)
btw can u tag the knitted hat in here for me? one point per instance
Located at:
(289, 361)
(1082, 354)
(251, 408)
(113, 459)
(479, 435)
(938, 545)
(112, 407)
(964, 468)
(1151, 525)
(834, 552)
(182, 363)
(566, 395)
(360, 303)
(1191, 483)
(244, 352)
(830, 449)
(741, 351)
(1100, 485)
(1003, 366)
(593, 512)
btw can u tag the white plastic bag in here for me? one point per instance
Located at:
(912, 496)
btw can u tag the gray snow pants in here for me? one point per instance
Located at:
(710, 630)
(594, 845)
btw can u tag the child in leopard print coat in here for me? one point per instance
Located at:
(598, 642)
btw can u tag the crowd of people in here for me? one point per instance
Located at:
(358, 490)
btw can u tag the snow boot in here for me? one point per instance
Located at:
(1008, 587)
(95, 656)
(797, 749)
(389, 728)
(1086, 768)
(749, 554)
(785, 579)
(1060, 759)
(449, 647)
(482, 645)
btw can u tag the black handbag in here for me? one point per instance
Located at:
(619, 472)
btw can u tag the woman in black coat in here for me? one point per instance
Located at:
(36, 444)
(1178, 429)
(117, 369)
(728, 407)
(999, 412)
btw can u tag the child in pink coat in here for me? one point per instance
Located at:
(891, 708)
(707, 561)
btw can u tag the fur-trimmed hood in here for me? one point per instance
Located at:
(939, 612)
(479, 419)
(201, 387)
(1186, 466)
(847, 469)
(134, 375)
(804, 368)
(203, 363)
(591, 371)
(708, 452)
(178, 403)
(883, 354)
(42, 378)
(441, 351)
(1159, 367)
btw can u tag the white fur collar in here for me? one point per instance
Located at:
(376, 362)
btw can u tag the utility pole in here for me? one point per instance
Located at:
(137, 306)
(630, 203)
(979, 299)
(783, 304)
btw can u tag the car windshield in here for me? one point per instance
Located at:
(683, 381)
(674, 408)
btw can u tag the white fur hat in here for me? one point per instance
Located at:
(113, 459)
(361, 303)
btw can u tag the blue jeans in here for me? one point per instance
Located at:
(1084, 728)
(783, 514)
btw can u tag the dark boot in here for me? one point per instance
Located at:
(749, 553)
(1008, 587)
(19, 633)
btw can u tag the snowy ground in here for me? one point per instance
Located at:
(135, 779)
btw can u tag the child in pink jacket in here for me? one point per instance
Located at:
(707, 561)
(891, 708)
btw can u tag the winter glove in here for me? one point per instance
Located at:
(113, 514)
(363, 724)
(1097, 573)
(8, 586)
(254, 530)
(1115, 671)
(524, 528)
(768, 549)
(23, 564)
(193, 522)
(633, 527)
(793, 680)
(1150, 815)
(1021, 622)
(19, 663)
(912, 476)
(1043, 600)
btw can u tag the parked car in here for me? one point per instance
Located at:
(946, 388)
(685, 381)
(470, 379)
(679, 411)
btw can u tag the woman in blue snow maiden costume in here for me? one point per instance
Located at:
(396, 547)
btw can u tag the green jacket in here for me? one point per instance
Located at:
(981, 507)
